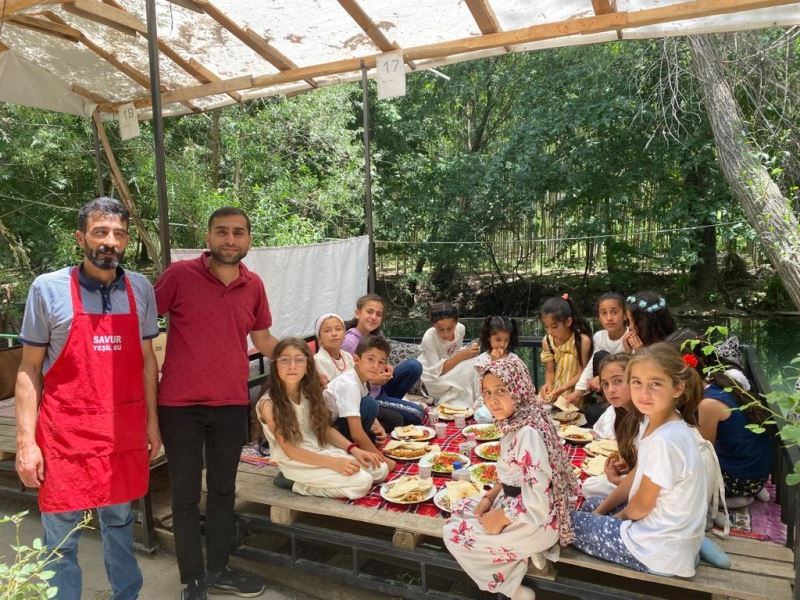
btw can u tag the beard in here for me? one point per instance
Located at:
(227, 259)
(103, 262)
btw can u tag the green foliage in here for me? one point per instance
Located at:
(28, 576)
(782, 404)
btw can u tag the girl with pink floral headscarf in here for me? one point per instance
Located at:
(526, 515)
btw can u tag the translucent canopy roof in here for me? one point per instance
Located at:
(214, 53)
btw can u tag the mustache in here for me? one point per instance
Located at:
(106, 250)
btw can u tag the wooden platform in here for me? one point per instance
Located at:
(761, 570)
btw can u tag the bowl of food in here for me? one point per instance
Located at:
(417, 433)
(406, 450)
(484, 432)
(442, 462)
(483, 474)
(408, 489)
(488, 450)
(575, 434)
(454, 491)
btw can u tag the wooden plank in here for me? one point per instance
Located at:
(42, 26)
(582, 25)
(89, 95)
(756, 548)
(602, 7)
(108, 15)
(10, 7)
(206, 75)
(190, 4)
(3, 47)
(744, 586)
(484, 16)
(369, 27)
(407, 540)
(762, 566)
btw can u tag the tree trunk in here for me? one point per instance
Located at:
(705, 273)
(768, 211)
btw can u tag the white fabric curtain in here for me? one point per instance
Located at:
(303, 282)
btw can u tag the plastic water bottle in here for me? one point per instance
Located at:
(459, 472)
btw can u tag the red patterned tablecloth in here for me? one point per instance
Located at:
(448, 443)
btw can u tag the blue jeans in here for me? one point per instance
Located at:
(368, 409)
(405, 376)
(116, 529)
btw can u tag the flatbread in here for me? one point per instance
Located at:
(457, 490)
(575, 432)
(452, 410)
(603, 447)
(408, 488)
(594, 466)
(564, 406)
(410, 431)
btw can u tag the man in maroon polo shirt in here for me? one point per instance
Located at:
(213, 303)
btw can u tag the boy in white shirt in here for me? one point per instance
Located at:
(355, 411)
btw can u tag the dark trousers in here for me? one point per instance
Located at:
(189, 433)
(368, 411)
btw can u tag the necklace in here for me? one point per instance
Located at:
(336, 365)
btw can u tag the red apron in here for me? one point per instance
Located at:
(93, 414)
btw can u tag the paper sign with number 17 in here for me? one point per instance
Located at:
(391, 75)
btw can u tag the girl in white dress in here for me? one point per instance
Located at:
(448, 371)
(297, 423)
(330, 360)
(527, 514)
(661, 528)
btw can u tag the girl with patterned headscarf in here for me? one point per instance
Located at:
(527, 513)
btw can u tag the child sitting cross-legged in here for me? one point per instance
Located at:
(661, 528)
(311, 454)
(527, 514)
(356, 411)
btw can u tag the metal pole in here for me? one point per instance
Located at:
(368, 182)
(158, 132)
(98, 163)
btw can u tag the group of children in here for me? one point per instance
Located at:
(672, 408)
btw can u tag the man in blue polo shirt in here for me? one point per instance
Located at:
(86, 398)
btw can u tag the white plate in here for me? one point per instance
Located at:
(405, 458)
(474, 478)
(572, 440)
(468, 412)
(430, 433)
(478, 428)
(579, 423)
(430, 494)
(480, 450)
(438, 499)
(428, 460)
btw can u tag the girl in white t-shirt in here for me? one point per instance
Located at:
(330, 360)
(661, 528)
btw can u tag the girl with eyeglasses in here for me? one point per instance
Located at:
(313, 455)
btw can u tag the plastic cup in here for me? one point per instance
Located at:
(441, 429)
(461, 421)
(433, 416)
(472, 437)
(465, 448)
(425, 471)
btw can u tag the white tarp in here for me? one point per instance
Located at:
(304, 282)
(24, 83)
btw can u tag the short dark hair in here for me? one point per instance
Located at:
(229, 211)
(373, 341)
(443, 310)
(102, 206)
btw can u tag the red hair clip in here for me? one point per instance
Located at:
(565, 296)
(690, 360)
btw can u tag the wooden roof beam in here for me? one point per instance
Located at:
(583, 25)
(3, 47)
(61, 30)
(250, 38)
(130, 71)
(193, 68)
(190, 4)
(484, 16)
(106, 14)
(8, 8)
(603, 7)
(91, 96)
(368, 26)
